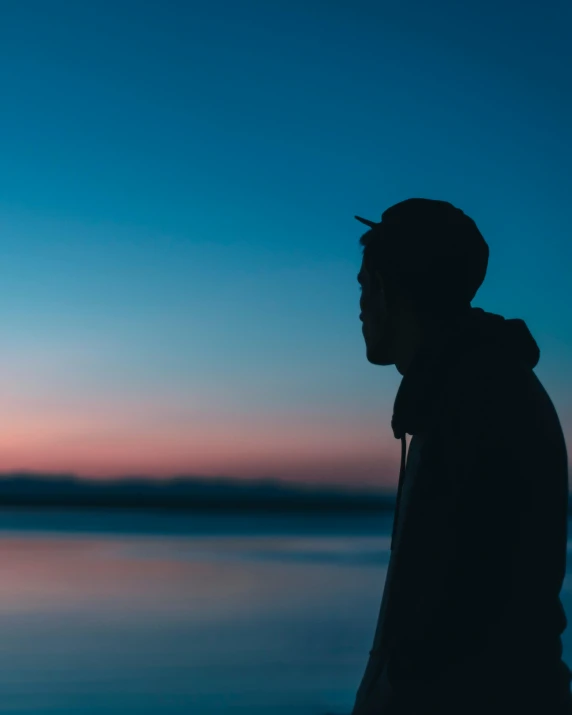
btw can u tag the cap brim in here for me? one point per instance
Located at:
(367, 222)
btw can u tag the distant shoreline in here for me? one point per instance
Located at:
(275, 507)
(188, 494)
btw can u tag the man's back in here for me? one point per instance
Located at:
(473, 609)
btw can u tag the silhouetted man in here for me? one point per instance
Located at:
(471, 618)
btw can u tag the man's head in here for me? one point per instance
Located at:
(424, 261)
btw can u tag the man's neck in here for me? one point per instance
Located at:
(430, 335)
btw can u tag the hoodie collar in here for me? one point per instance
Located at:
(449, 339)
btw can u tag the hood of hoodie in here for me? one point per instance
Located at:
(449, 340)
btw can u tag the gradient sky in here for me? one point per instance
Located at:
(178, 251)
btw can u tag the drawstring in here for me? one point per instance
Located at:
(399, 487)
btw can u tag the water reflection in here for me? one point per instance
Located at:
(205, 620)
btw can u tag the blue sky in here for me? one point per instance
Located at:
(177, 241)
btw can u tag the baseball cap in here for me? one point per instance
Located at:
(431, 248)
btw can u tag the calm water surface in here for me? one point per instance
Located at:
(159, 613)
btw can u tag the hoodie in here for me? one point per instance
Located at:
(471, 602)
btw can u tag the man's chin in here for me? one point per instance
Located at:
(378, 356)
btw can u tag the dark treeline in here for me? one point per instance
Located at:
(186, 493)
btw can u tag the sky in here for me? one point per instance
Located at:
(178, 253)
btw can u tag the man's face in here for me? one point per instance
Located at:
(378, 326)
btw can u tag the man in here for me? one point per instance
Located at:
(471, 619)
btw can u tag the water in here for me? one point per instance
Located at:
(104, 612)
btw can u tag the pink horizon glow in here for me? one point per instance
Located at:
(113, 443)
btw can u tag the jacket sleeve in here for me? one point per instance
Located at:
(480, 462)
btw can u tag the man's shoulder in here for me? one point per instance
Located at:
(487, 386)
